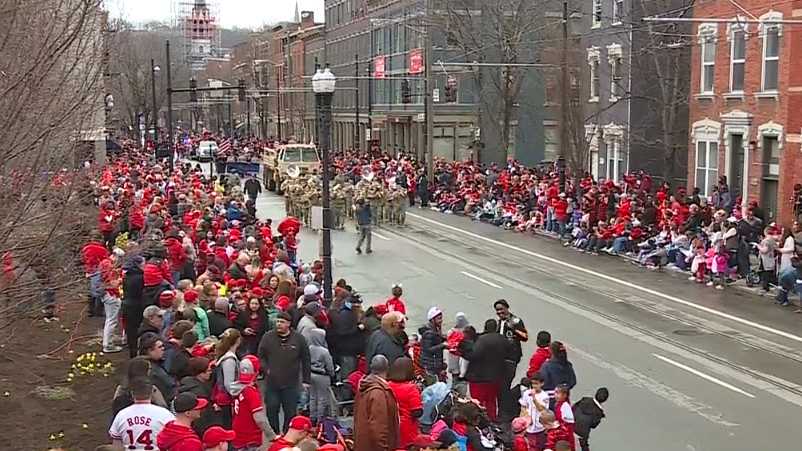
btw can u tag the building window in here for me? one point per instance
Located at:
(614, 57)
(737, 59)
(706, 166)
(618, 12)
(708, 64)
(593, 61)
(615, 160)
(771, 57)
(597, 13)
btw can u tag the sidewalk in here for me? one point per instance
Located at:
(739, 284)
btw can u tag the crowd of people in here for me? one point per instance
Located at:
(717, 239)
(232, 344)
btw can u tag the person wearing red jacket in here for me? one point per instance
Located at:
(178, 435)
(176, 254)
(555, 432)
(92, 254)
(561, 214)
(105, 223)
(136, 221)
(542, 354)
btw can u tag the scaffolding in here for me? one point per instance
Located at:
(198, 21)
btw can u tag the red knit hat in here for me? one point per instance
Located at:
(166, 298)
(191, 296)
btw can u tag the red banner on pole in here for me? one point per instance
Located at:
(378, 67)
(416, 61)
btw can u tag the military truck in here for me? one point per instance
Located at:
(287, 160)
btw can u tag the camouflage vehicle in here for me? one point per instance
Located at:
(288, 160)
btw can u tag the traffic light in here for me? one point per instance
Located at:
(193, 90)
(406, 93)
(241, 90)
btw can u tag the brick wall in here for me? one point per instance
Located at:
(754, 109)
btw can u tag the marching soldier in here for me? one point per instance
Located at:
(375, 197)
(338, 205)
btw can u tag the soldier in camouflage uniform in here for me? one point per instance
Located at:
(375, 197)
(313, 193)
(286, 188)
(398, 206)
(338, 205)
(303, 203)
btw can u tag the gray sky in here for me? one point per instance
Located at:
(240, 13)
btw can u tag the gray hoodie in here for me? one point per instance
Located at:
(319, 353)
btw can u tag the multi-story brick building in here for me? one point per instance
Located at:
(386, 39)
(746, 84)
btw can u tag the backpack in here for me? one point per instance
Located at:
(220, 395)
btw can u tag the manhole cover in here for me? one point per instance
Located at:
(688, 332)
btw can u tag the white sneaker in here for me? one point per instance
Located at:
(692, 278)
(112, 349)
(710, 284)
(719, 287)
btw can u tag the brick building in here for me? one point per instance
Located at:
(746, 81)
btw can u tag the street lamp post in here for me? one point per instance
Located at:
(154, 69)
(323, 84)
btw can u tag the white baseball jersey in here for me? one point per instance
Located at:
(138, 425)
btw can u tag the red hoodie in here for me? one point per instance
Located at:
(105, 220)
(176, 437)
(155, 274)
(538, 359)
(176, 253)
(92, 254)
(136, 218)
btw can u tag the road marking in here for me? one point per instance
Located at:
(744, 375)
(704, 376)
(674, 299)
(381, 237)
(467, 274)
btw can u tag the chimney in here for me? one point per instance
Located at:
(307, 19)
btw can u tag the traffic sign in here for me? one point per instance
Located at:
(436, 95)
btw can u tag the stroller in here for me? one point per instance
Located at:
(455, 406)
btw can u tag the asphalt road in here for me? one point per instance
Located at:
(688, 367)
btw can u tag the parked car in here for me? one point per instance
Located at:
(206, 151)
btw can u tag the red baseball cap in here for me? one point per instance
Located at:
(258, 292)
(216, 435)
(301, 423)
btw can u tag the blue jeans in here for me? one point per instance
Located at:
(281, 399)
(620, 244)
(787, 282)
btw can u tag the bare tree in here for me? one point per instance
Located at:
(131, 50)
(506, 33)
(51, 113)
(660, 129)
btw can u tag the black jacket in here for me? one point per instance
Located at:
(201, 390)
(283, 358)
(486, 361)
(218, 323)
(380, 342)
(432, 345)
(587, 416)
(133, 284)
(344, 336)
(252, 187)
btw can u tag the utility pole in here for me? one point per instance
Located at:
(356, 95)
(429, 85)
(370, 104)
(278, 104)
(565, 95)
(248, 107)
(170, 142)
(155, 109)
